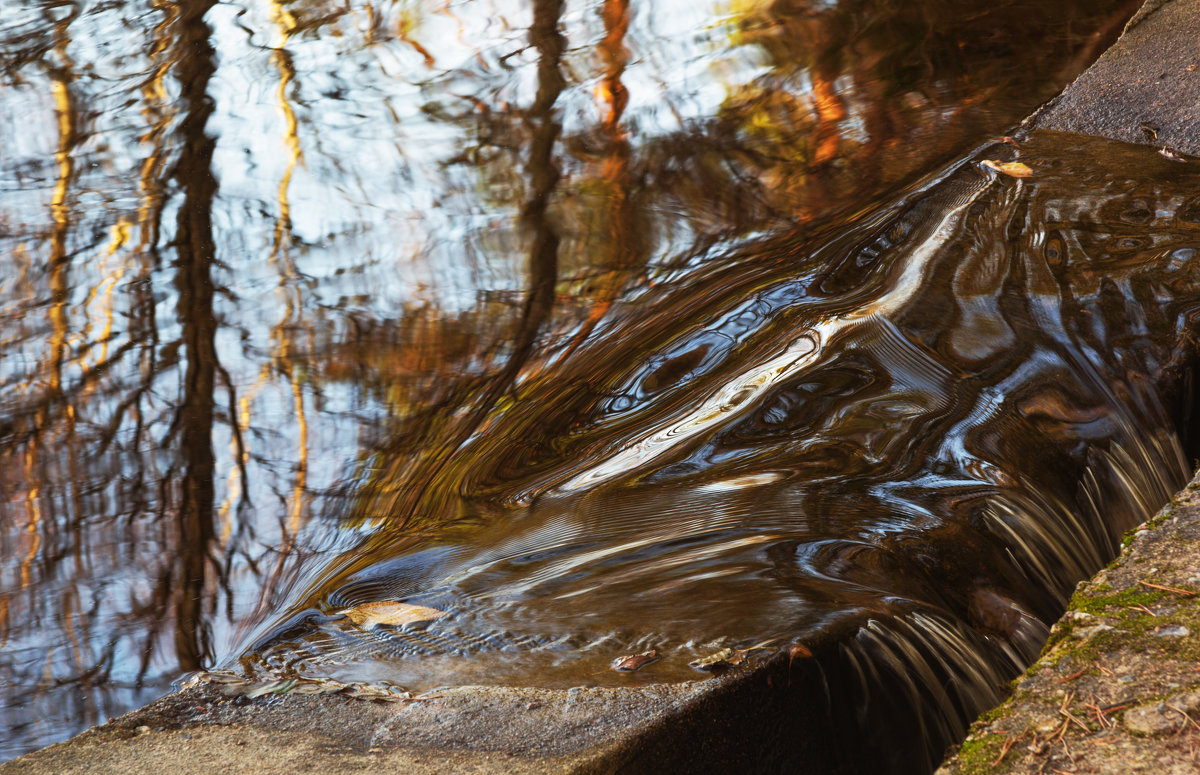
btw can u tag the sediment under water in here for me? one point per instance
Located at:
(898, 444)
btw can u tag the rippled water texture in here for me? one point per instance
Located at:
(599, 327)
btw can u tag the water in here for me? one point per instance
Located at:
(670, 329)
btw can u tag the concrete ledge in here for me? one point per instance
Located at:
(731, 723)
(1145, 89)
(1117, 689)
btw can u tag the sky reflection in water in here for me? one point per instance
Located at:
(267, 266)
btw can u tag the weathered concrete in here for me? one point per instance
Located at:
(1117, 690)
(728, 724)
(1144, 89)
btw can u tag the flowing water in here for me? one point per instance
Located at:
(597, 327)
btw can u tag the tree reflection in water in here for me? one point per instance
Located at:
(268, 265)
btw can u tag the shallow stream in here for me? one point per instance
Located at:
(596, 327)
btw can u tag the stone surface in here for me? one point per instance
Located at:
(1145, 89)
(1127, 699)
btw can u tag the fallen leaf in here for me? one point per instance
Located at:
(797, 651)
(1014, 169)
(390, 612)
(720, 660)
(633, 662)
(1171, 153)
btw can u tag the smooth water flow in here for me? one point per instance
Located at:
(594, 327)
(911, 436)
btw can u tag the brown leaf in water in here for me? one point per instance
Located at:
(390, 612)
(1171, 153)
(1014, 169)
(721, 660)
(798, 651)
(633, 662)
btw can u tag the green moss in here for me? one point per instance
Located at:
(977, 754)
(1107, 605)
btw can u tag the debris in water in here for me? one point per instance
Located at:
(719, 661)
(1172, 154)
(798, 651)
(1014, 169)
(634, 662)
(390, 612)
(233, 684)
(725, 658)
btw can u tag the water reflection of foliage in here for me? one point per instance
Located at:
(110, 464)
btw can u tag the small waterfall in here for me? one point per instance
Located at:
(899, 445)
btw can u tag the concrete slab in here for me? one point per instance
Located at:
(731, 723)
(1145, 89)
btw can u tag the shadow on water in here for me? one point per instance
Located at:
(599, 328)
(898, 445)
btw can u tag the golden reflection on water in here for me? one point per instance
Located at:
(270, 267)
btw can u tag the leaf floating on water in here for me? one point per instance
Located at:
(798, 651)
(1014, 169)
(1170, 153)
(390, 612)
(634, 662)
(725, 658)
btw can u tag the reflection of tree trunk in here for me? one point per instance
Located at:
(624, 247)
(195, 252)
(543, 127)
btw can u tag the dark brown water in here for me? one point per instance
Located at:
(600, 327)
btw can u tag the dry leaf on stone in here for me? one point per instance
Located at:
(633, 662)
(390, 612)
(1014, 169)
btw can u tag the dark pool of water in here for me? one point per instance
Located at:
(598, 327)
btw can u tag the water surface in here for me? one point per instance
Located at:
(601, 326)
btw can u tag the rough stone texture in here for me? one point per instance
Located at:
(1149, 78)
(1121, 700)
(730, 723)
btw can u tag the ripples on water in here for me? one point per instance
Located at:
(647, 333)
